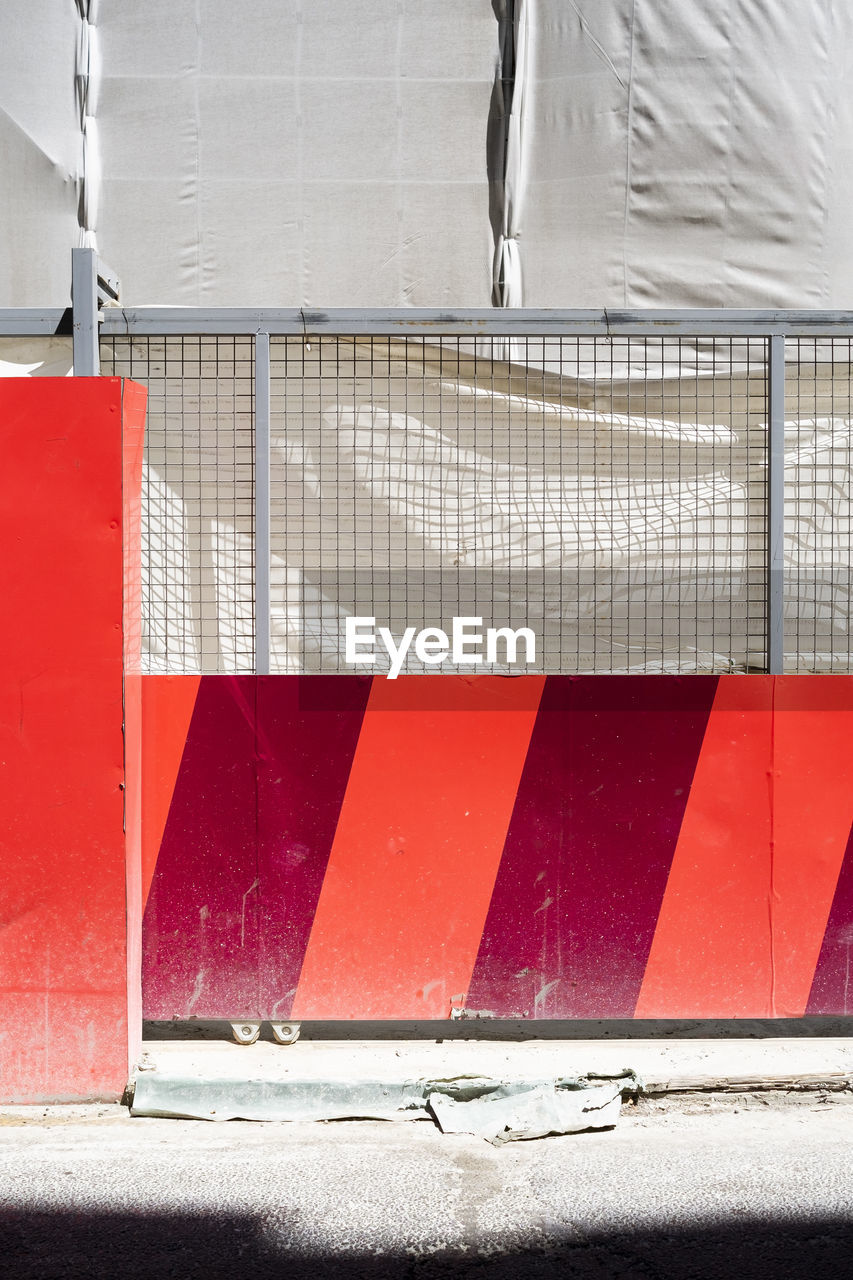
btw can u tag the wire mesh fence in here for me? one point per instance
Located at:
(818, 462)
(197, 500)
(607, 494)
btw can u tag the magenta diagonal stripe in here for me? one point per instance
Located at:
(200, 929)
(309, 728)
(832, 988)
(246, 843)
(589, 845)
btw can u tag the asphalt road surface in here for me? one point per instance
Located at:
(741, 1188)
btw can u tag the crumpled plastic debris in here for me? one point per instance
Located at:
(498, 1110)
(517, 1112)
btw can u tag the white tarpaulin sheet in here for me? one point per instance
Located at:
(367, 152)
(681, 153)
(279, 153)
(40, 152)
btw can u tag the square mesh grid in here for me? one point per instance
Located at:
(197, 501)
(609, 494)
(818, 486)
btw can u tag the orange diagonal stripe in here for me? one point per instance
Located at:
(167, 708)
(758, 856)
(417, 847)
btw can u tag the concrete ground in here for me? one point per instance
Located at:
(706, 1185)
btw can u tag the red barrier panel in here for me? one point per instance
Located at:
(559, 847)
(69, 894)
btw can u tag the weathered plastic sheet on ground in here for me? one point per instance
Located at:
(497, 1110)
(517, 1114)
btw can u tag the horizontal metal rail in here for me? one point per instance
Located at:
(376, 322)
(27, 322)
(165, 321)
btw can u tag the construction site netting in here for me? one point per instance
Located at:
(608, 493)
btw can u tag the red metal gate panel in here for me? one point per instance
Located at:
(69, 529)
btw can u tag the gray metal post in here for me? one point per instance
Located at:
(262, 503)
(776, 507)
(84, 311)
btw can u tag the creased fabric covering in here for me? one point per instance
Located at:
(279, 152)
(37, 77)
(39, 152)
(688, 154)
(285, 152)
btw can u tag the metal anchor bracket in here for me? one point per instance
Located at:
(245, 1032)
(286, 1032)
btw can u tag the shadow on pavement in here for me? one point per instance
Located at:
(50, 1246)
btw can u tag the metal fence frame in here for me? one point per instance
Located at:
(94, 286)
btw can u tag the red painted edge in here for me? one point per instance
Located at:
(133, 403)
